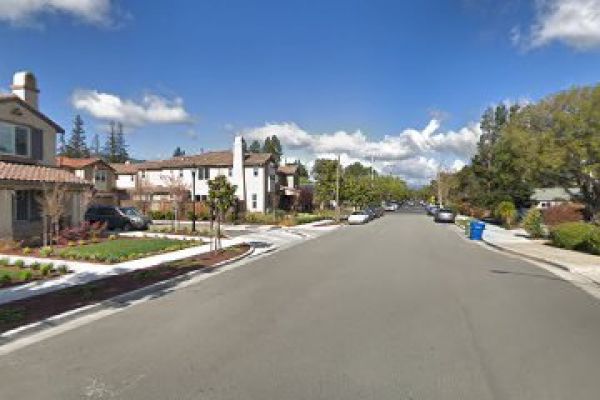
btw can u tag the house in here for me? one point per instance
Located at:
(27, 163)
(289, 183)
(553, 196)
(253, 174)
(96, 171)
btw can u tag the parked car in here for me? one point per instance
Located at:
(391, 207)
(432, 209)
(124, 218)
(359, 217)
(444, 215)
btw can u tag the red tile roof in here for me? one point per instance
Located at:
(38, 173)
(79, 163)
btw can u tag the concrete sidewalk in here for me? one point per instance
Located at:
(516, 242)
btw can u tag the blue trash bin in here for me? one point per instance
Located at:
(476, 230)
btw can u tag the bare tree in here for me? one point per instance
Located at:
(52, 202)
(142, 194)
(178, 192)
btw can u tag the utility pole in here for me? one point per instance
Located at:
(439, 187)
(337, 190)
(372, 161)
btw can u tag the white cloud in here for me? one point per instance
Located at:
(26, 12)
(575, 23)
(414, 154)
(152, 109)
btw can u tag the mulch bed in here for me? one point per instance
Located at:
(37, 308)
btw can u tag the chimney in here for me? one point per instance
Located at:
(237, 173)
(25, 86)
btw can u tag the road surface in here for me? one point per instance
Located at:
(400, 308)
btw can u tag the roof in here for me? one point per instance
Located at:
(78, 163)
(38, 113)
(554, 193)
(210, 159)
(288, 169)
(38, 173)
(125, 168)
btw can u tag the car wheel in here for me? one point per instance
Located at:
(127, 227)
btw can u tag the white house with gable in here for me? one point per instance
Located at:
(255, 176)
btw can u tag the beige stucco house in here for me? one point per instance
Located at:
(96, 171)
(27, 163)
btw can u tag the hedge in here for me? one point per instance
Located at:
(576, 236)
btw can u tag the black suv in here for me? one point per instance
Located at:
(124, 218)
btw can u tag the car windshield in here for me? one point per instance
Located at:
(131, 211)
(445, 210)
(358, 213)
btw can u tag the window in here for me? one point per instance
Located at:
(143, 174)
(230, 172)
(255, 171)
(254, 201)
(14, 140)
(181, 173)
(26, 206)
(132, 178)
(100, 175)
(203, 173)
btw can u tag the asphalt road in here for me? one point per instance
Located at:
(396, 309)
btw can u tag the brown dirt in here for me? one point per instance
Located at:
(33, 309)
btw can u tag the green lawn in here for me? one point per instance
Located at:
(125, 248)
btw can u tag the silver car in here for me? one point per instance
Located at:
(444, 215)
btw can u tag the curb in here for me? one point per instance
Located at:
(120, 301)
(530, 257)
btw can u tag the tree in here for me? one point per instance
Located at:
(357, 169)
(273, 146)
(111, 146)
(221, 196)
(122, 153)
(179, 192)
(255, 147)
(62, 145)
(52, 202)
(77, 147)
(95, 146)
(324, 172)
(178, 152)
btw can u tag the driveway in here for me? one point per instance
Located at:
(399, 308)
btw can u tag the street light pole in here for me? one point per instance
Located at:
(193, 200)
(337, 190)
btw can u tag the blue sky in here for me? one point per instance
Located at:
(402, 82)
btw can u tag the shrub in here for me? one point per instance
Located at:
(5, 278)
(26, 251)
(62, 269)
(169, 215)
(71, 243)
(35, 266)
(571, 235)
(19, 263)
(25, 275)
(4, 261)
(532, 223)
(112, 237)
(46, 268)
(157, 214)
(81, 242)
(562, 213)
(506, 212)
(46, 251)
